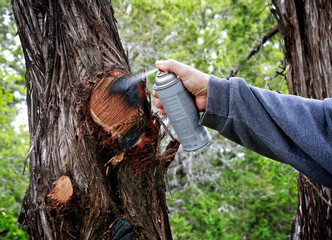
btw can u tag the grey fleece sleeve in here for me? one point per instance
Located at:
(286, 128)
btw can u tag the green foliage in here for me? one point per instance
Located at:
(265, 197)
(13, 140)
(12, 189)
(13, 148)
(213, 36)
(197, 216)
(254, 198)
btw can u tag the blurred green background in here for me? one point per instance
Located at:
(222, 191)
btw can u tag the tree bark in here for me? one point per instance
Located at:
(306, 29)
(95, 167)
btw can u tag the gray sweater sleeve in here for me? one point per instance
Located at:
(286, 128)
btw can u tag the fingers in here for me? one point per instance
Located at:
(158, 103)
(160, 106)
(162, 111)
(154, 94)
(174, 66)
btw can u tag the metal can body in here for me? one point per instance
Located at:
(181, 111)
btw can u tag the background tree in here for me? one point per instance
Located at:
(306, 29)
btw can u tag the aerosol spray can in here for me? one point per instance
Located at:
(181, 111)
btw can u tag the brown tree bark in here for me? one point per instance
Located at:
(95, 167)
(306, 26)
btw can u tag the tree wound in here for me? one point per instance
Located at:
(115, 105)
(62, 191)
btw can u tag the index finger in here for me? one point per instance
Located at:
(174, 66)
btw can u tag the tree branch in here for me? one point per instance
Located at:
(255, 49)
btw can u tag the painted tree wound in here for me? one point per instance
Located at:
(116, 105)
(62, 191)
(121, 229)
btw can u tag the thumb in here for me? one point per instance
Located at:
(160, 64)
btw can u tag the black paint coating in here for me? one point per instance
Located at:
(126, 237)
(132, 136)
(121, 229)
(129, 90)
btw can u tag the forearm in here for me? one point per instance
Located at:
(286, 128)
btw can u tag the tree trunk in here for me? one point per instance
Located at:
(306, 26)
(95, 167)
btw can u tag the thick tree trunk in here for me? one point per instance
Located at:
(96, 172)
(306, 27)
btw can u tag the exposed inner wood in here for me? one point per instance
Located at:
(114, 112)
(63, 190)
(116, 159)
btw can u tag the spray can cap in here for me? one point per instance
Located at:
(165, 80)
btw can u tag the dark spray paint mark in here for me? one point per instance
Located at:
(121, 229)
(132, 136)
(128, 89)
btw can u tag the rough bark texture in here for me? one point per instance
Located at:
(91, 177)
(306, 26)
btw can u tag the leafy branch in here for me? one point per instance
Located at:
(255, 49)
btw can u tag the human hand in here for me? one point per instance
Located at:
(194, 80)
